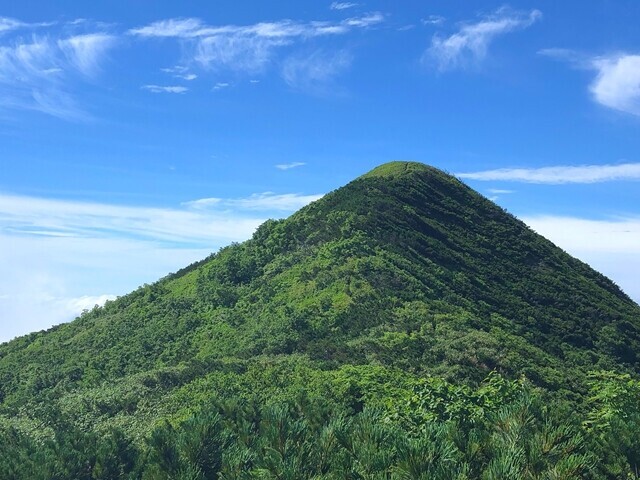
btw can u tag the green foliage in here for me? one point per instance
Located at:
(192, 452)
(614, 420)
(434, 399)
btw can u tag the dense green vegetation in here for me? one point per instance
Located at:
(401, 327)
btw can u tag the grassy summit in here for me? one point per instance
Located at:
(399, 168)
(403, 276)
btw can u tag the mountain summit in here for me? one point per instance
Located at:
(405, 269)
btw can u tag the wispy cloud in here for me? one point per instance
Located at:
(177, 69)
(85, 52)
(562, 54)
(7, 24)
(41, 73)
(221, 85)
(433, 20)
(365, 21)
(180, 72)
(266, 201)
(248, 48)
(342, 5)
(29, 216)
(470, 44)
(173, 27)
(165, 88)
(559, 174)
(197, 221)
(617, 84)
(287, 166)
(284, 29)
(315, 72)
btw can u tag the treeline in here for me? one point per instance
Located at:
(500, 430)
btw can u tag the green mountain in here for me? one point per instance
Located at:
(404, 281)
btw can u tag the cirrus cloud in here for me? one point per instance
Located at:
(40, 73)
(315, 72)
(165, 88)
(470, 44)
(247, 48)
(559, 174)
(287, 166)
(342, 5)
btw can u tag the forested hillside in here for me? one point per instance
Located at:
(403, 326)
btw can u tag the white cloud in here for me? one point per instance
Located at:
(180, 72)
(86, 51)
(287, 166)
(500, 191)
(365, 21)
(165, 88)
(175, 69)
(470, 44)
(7, 24)
(237, 52)
(248, 48)
(617, 81)
(610, 246)
(433, 20)
(315, 72)
(221, 85)
(39, 74)
(22, 215)
(174, 27)
(342, 5)
(271, 201)
(617, 84)
(561, 54)
(560, 174)
(283, 29)
(258, 201)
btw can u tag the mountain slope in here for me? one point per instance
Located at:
(405, 271)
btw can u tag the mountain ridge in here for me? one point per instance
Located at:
(414, 214)
(404, 282)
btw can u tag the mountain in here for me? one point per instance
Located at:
(402, 275)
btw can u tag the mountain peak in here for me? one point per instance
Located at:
(397, 169)
(404, 271)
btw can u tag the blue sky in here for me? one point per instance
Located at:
(137, 137)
